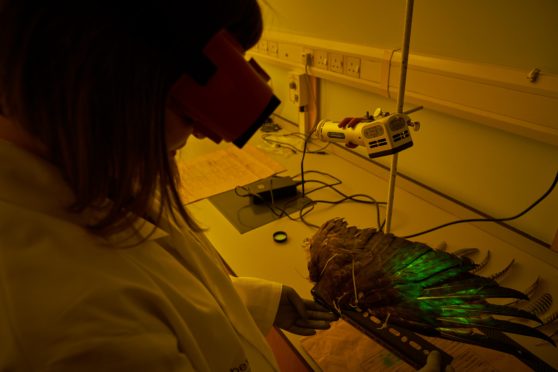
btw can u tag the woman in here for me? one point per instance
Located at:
(102, 268)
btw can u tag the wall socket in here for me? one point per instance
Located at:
(272, 48)
(335, 62)
(320, 59)
(352, 66)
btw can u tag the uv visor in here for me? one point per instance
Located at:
(233, 102)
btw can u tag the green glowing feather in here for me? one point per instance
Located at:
(410, 284)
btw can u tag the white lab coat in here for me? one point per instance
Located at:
(70, 301)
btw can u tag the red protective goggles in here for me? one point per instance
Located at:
(233, 101)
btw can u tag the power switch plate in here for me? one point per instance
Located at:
(298, 88)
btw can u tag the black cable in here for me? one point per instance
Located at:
(268, 138)
(264, 202)
(304, 149)
(491, 219)
(303, 210)
(302, 214)
(277, 211)
(337, 180)
(357, 198)
(352, 197)
(311, 204)
(324, 185)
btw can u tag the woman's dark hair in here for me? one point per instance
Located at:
(90, 79)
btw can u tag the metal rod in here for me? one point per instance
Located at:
(400, 104)
(391, 193)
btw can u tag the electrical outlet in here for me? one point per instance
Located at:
(320, 59)
(352, 66)
(272, 48)
(335, 62)
(262, 46)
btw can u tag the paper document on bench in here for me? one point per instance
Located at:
(223, 170)
(344, 348)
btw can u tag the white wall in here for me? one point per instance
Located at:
(494, 171)
(515, 33)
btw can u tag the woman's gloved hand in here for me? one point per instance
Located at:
(301, 316)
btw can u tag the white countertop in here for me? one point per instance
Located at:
(254, 253)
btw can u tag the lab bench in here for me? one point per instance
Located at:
(416, 208)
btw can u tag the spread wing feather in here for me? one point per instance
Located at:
(410, 284)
